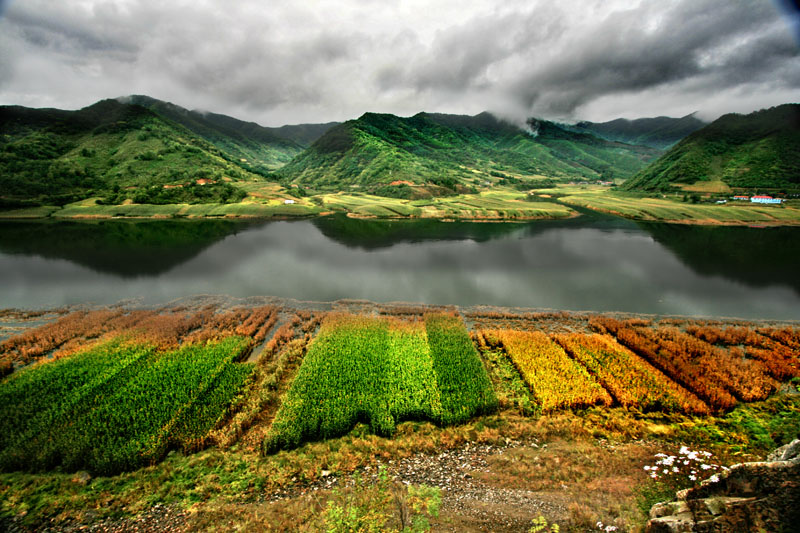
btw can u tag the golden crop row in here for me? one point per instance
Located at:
(556, 380)
(632, 381)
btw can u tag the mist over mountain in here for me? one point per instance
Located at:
(658, 132)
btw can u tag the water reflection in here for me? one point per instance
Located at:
(121, 247)
(588, 263)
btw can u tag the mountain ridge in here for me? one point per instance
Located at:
(454, 150)
(755, 150)
(657, 132)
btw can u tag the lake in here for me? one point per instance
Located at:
(592, 262)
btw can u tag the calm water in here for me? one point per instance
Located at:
(590, 263)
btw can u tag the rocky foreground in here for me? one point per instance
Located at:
(761, 496)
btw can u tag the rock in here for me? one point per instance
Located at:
(82, 478)
(763, 496)
(787, 452)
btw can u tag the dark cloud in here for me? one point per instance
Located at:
(294, 61)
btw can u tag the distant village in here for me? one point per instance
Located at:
(759, 199)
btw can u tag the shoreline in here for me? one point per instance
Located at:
(25, 215)
(359, 306)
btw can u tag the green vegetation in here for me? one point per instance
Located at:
(755, 151)
(381, 372)
(435, 155)
(253, 147)
(112, 150)
(463, 382)
(117, 406)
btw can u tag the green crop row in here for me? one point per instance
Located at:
(118, 406)
(463, 382)
(381, 371)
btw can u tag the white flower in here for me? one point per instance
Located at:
(714, 478)
(684, 450)
(674, 468)
(693, 478)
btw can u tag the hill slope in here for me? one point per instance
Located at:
(255, 147)
(658, 132)
(759, 150)
(455, 151)
(109, 149)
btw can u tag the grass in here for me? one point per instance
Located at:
(500, 204)
(266, 200)
(575, 465)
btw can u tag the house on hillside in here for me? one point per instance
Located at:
(287, 202)
(204, 181)
(764, 199)
(742, 198)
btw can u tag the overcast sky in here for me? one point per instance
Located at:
(277, 62)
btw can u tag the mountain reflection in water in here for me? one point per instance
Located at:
(588, 263)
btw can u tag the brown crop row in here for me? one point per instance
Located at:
(632, 381)
(165, 329)
(716, 375)
(772, 348)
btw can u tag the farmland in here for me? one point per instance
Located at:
(382, 371)
(245, 402)
(672, 209)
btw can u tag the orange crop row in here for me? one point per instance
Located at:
(772, 348)
(632, 381)
(715, 375)
(556, 380)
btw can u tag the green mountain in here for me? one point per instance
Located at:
(759, 150)
(659, 132)
(454, 152)
(257, 148)
(112, 150)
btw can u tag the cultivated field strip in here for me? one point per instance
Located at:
(778, 350)
(166, 329)
(717, 376)
(556, 380)
(632, 381)
(113, 390)
(381, 371)
(120, 405)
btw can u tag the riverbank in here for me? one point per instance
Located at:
(497, 205)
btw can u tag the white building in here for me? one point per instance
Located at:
(763, 199)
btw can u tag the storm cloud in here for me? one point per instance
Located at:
(290, 62)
